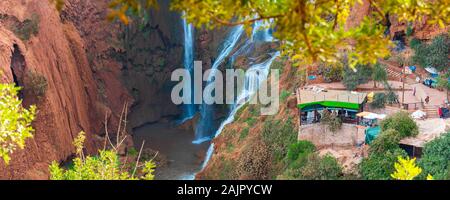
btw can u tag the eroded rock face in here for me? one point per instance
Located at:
(60, 49)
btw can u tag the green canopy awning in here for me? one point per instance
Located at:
(334, 104)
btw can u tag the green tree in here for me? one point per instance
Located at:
(15, 121)
(379, 74)
(299, 149)
(331, 121)
(379, 100)
(443, 83)
(436, 157)
(357, 76)
(314, 167)
(402, 122)
(387, 140)
(434, 54)
(309, 31)
(105, 166)
(379, 166)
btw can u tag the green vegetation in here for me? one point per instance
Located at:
(35, 84)
(250, 121)
(310, 31)
(409, 30)
(379, 166)
(244, 134)
(387, 140)
(105, 166)
(253, 161)
(284, 95)
(354, 77)
(331, 121)
(278, 64)
(434, 54)
(279, 136)
(300, 149)
(379, 100)
(331, 73)
(401, 122)
(414, 43)
(15, 121)
(435, 158)
(379, 74)
(442, 81)
(27, 28)
(314, 167)
(384, 150)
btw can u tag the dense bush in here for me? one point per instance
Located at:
(331, 121)
(105, 166)
(284, 95)
(387, 140)
(35, 84)
(253, 162)
(434, 54)
(379, 74)
(353, 77)
(330, 73)
(299, 149)
(314, 167)
(414, 43)
(27, 28)
(379, 166)
(325, 168)
(401, 122)
(279, 136)
(391, 97)
(379, 100)
(15, 121)
(436, 157)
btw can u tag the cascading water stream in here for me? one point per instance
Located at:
(205, 128)
(189, 109)
(254, 76)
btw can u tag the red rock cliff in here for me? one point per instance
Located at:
(63, 52)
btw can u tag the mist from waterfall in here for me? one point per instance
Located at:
(188, 109)
(205, 128)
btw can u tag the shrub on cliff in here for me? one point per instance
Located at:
(27, 28)
(15, 121)
(279, 136)
(299, 149)
(35, 84)
(253, 162)
(314, 168)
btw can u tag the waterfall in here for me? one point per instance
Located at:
(189, 109)
(254, 76)
(205, 128)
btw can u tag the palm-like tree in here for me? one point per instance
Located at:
(379, 74)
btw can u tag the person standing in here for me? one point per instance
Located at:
(427, 99)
